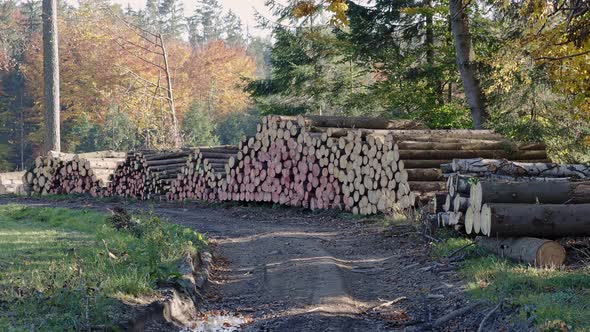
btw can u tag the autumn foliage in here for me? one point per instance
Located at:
(105, 63)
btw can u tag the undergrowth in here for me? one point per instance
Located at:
(63, 269)
(550, 298)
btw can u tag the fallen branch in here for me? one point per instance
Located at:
(455, 314)
(489, 314)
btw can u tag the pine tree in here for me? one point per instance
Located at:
(172, 18)
(232, 25)
(205, 24)
(152, 20)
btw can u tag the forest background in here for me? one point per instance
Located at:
(378, 58)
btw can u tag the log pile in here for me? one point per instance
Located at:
(86, 173)
(12, 183)
(61, 173)
(504, 201)
(363, 165)
(203, 175)
(147, 174)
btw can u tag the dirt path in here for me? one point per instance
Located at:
(292, 270)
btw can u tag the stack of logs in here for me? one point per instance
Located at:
(502, 200)
(364, 165)
(204, 174)
(11, 183)
(64, 173)
(147, 174)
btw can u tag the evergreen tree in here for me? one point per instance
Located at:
(205, 24)
(31, 11)
(198, 127)
(152, 20)
(172, 18)
(232, 25)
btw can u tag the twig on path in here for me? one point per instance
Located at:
(388, 303)
(455, 314)
(489, 314)
(458, 250)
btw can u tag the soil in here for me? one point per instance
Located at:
(294, 270)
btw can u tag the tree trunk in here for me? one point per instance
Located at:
(175, 130)
(539, 220)
(537, 252)
(506, 167)
(465, 56)
(51, 76)
(530, 192)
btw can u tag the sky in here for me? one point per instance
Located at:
(245, 9)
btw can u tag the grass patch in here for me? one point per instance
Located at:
(553, 299)
(63, 269)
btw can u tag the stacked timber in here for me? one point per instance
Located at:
(203, 175)
(363, 165)
(86, 173)
(147, 174)
(505, 198)
(322, 162)
(314, 162)
(423, 152)
(11, 183)
(59, 172)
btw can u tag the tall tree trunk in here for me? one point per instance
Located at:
(435, 82)
(175, 131)
(51, 76)
(465, 61)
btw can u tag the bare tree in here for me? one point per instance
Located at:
(465, 61)
(51, 76)
(152, 43)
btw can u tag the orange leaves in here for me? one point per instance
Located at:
(303, 9)
(104, 64)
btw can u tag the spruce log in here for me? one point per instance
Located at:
(426, 186)
(361, 122)
(468, 145)
(530, 192)
(450, 154)
(423, 174)
(537, 220)
(534, 251)
(506, 167)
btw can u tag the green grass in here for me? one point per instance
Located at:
(60, 266)
(553, 299)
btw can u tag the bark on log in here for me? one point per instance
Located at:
(537, 220)
(424, 174)
(530, 192)
(426, 186)
(450, 154)
(361, 122)
(506, 167)
(534, 251)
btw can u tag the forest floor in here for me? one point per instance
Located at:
(294, 270)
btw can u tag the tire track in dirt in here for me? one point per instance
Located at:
(292, 270)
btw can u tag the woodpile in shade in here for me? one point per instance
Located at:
(147, 174)
(12, 183)
(204, 174)
(64, 173)
(506, 200)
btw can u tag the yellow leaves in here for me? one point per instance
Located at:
(338, 9)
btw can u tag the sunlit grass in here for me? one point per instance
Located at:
(551, 298)
(58, 266)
